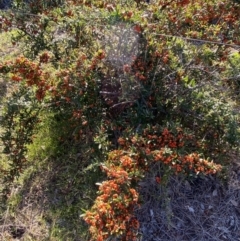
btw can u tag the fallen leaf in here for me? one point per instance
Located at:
(190, 209)
(234, 203)
(215, 193)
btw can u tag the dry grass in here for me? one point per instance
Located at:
(203, 209)
(27, 206)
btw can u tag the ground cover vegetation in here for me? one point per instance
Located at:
(105, 95)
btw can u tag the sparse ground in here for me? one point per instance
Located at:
(202, 209)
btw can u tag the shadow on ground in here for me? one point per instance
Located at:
(48, 205)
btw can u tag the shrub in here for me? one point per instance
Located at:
(112, 214)
(135, 95)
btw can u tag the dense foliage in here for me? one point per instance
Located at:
(122, 85)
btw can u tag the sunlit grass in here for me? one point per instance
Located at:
(8, 49)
